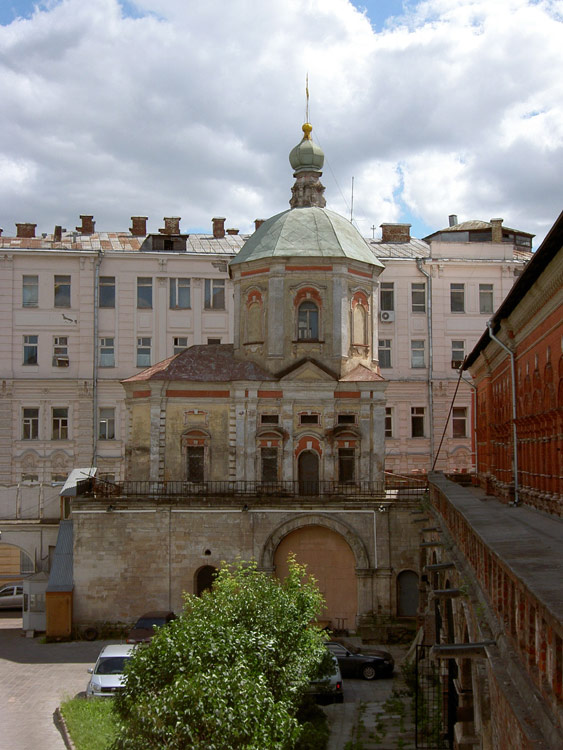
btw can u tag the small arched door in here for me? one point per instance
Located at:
(407, 593)
(204, 579)
(308, 473)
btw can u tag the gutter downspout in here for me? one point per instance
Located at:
(95, 362)
(430, 355)
(514, 432)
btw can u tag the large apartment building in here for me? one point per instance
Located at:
(84, 310)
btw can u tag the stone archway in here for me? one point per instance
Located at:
(334, 555)
(204, 578)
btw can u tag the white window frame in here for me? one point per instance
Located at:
(389, 422)
(107, 351)
(486, 299)
(214, 294)
(458, 353)
(144, 297)
(59, 423)
(457, 298)
(459, 422)
(418, 413)
(60, 351)
(30, 423)
(178, 347)
(106, 284)
(385, 346)
(387, 296)
(62, 281)
(418, 354)
(30, 343)
(180, 294)
(418, 297)
(30, 290)
(144, 350)
(106, 423)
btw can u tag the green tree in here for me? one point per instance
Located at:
(231, 671)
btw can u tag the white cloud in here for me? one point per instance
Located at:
(190, 108)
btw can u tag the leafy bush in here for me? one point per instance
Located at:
(231, 671)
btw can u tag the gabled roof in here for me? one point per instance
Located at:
(203, 363)
(359, 374)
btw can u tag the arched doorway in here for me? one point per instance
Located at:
(331, 561)
(407, 593)
(204, 579)
(308, 473)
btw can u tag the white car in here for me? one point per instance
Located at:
(11, 596)
(107, 675)
(329, 687)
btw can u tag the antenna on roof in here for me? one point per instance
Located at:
(307, 97)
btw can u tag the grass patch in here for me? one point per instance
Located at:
(91, 723)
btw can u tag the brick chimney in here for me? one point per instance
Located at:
(218, 227)
(496, 230)
(232, 231)
(171, 225)
(87, 226)
(395, 232)
(58, 233)
(258, 223)
(25, 230)
(139, 228)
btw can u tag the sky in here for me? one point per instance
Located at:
(115, 108)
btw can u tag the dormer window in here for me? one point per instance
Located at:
(308, 321)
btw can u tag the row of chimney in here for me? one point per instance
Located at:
(138, 227)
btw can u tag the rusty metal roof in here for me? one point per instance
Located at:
(203, 363)
(123, 242)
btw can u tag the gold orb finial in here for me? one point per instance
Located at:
(307, 128)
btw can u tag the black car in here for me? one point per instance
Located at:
(353, 663)
(143, 630)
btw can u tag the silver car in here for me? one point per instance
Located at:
(11, 596)
(107, 675)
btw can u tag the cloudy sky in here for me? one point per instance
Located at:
(190, 107)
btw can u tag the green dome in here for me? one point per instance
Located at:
(306, 232)
(307, 156)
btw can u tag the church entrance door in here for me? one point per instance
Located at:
(331, 561)
(308, 473)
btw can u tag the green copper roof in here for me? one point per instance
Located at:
(307, 156)
(306, 232)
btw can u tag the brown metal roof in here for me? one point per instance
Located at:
(203, 363)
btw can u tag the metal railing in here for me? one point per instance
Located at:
(391, 489)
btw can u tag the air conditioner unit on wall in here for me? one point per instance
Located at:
(387, 316)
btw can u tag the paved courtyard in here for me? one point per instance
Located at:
(36, 677)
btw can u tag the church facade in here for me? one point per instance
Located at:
(270, 446)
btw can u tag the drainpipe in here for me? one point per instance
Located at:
(430, 355)
(95, 362)
(514, 433)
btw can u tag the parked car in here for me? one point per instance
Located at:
(107, 674)
(11, 596)
(328, 687)
(143, 630)
(354, 663)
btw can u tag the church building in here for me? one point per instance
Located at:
(268, 446)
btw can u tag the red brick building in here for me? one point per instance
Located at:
(517, 366)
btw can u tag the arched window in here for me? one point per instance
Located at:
(308, 321)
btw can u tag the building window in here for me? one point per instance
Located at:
(60, 423)
(458, 354)
(60, 351)
(195, 461)
(106, 424)
(417, 353)
(180, 294)
(30, 291)
(346, 465)
(346, 419)
(107, 351)
(30, 344)
(143, 351)
(107, 291)
(385, 353)
(418, 297)
(213, 341)
(417, 421)
(30, 424)
(214, 294)
(486, 298)
(57, 478)
(308, 419)
(269, 464)
(459, 422)
(457, 298)
(144, 293)
(62, 291)
(387, 296)
(388, 421)
(180, 343)
(269, 419)
(27, 477)
(308, 321)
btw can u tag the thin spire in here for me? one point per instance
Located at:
(307, 96)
